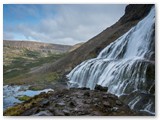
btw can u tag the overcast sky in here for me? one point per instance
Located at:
(60, 24)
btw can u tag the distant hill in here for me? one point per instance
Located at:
(44, 47)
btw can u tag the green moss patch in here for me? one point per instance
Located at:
(19, 109)
(24, 98)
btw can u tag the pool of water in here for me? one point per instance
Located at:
(10, 94)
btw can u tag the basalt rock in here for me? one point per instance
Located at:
(72, 105)
(101, 88)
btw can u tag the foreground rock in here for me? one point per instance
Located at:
(101, 88)
(73, 102)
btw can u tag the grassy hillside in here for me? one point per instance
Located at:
(18, 63)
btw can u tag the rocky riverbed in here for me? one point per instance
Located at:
(73, 102)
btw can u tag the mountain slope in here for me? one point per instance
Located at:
(133, 14)
(74, 47)
(21, 57)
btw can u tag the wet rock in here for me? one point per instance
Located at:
(44, 113)
(114, 109)
(101, 88)
(42, 93)
(87, 94)
(105, 97)
(66, 112)
(67, 96)
(84, 88)
(88, 101)
(58, 113)
(84, 112)
(43, 103)
(96, 104)
(95, 99)
(52, 98)
(112, 96)
(72, 104)
(78, 96)
(106, 104)
(60, 104)
(51, 109)
(30, 112)
(75, 109)
(118, 102)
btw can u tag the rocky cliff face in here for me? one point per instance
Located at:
(133, 14)
(37, 46)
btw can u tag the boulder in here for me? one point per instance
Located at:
(101, 88)
(87, 94)
(44, 113)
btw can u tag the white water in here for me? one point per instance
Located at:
(123, 65)
(11, 94)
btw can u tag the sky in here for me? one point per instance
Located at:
(58, 23)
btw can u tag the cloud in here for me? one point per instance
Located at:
(8, 36)
(68, 24)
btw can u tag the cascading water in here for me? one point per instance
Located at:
(126, 67)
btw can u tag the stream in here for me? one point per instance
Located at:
(11, 94)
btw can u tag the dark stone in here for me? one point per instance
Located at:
(152, 90)
(43, 103)
(118, 102)
(72, 104)
(52, 98)
(87, 101)
(100, 88)
(114, 109)
(67, 96)
(44, 113)
(105, 97)
(112, 96)
(106, 104)
(84, 113)
(66, 112)
(58, 113)
(95, 99)
(30, 112)
(42, 93)
(78, 96)
(60, 104)
(87, 94)
(84, 88)
(51, 109)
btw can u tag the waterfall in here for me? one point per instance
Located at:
(126, 67)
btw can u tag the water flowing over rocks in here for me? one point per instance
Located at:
(125, 66)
